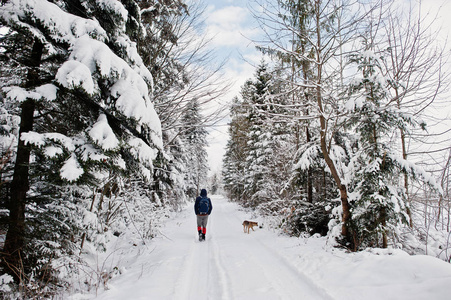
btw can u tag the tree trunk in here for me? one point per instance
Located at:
(406, 177)
(383, 221)
(15, 238)
(343, 191)
(309, 176)
(346, 217)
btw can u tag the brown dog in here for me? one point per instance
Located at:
(249, 225)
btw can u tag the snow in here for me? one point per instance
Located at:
(264, 265)
(417, 170)
(130, 86)
(75, 74)
(52, 151)
(102, 134)
(4, 279)
(307, 158)
(71, 169)
(46, 91)
(142, 151)
(130, 102)
(33, 138)
(120, 162)
(350, 104)
(62, 26)
(89, 152)
(91, 60)
(114, 7)
(39, 139)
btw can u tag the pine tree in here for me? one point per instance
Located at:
(259, 143)
(83, 100)
(258, 155)
(183, 72)
(235, 156)
(379, 204)
(314, 34)
(195, 141)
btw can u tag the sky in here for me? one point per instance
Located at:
(232, 27)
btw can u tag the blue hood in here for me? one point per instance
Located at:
(203, 193)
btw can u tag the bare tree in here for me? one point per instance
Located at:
(327, 33)
(185, 69)
(443, 219)
(417, 60)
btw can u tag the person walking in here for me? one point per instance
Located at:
(202, 208)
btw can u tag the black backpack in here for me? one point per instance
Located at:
(204, 206)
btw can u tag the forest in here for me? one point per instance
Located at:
(333, 129)
(106, 107)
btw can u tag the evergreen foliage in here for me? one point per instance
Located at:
(335, 115)
(195, 141)
(94, 161)
(233, 163)
(378, 197)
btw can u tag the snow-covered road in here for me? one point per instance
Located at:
(263, 265)
(228, 265)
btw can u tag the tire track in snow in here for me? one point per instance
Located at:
(202, 270)
(257, 270)
(294, 271)
(287, 281)
(219, 267)
(185, 279)
(222, 274)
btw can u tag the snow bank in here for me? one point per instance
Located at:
(374, 274)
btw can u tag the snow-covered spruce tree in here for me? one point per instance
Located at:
(83, 98)
(215, 183)
(162, 22)
(378, 202)
(377, 195)
(258, 155)
(301, 72)
(233, 170)
(195, 140)
(163, 25)
(293, 46)
(259, 145)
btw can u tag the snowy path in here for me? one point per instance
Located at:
(263, 265)
(229, 265)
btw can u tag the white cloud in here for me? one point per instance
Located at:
(229, 26)
(230, 15)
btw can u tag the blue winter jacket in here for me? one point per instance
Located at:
(203, 193)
